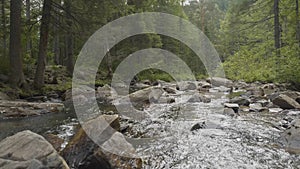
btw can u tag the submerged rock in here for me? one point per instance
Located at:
(29, 150)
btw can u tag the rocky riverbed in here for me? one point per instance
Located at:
(214, 123)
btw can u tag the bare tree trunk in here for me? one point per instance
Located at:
(69, 39)
(4, 28)
(276, 26)
(42, 56)
(17, 76)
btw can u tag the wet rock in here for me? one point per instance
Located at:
(241, 101)
(83, 153)
(230, 112)
(292, 137)
(140, 86)
(83, 94)
(218, 81)
(55, 141)
(198, 126)
(22, 109)
(257, 107)
(275, 110)
(197, 97)
(285, 102)
(222, 89)
(184, 86)
(170, 90)
(29, 150)
(151, 94)
(204, 84)
(233, 106)
(166, 100)
(105, 93)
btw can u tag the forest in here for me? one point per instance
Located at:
(39, 34)
(240, 109)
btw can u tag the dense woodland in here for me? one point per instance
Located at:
(258, 40)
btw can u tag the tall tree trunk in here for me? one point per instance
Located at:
(17, 76)
(4, 28)
(276, 26)
(298, 22)
(28, 21)
(42, 55)
(69, 38)
(56, 39)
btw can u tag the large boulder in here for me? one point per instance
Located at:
(285, 102)
(291, 137)
(151, 94)
(241, 101)
(84, 153)
(186, 85)
(29, 150)
(22, 109)
(218, 81)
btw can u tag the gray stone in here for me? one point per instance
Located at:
(241, 101)
(185, 85)
(233, 106)
(257, 107)
(114, 150)
(291, 137)
(151, 94)
(29, 150)
(21, 109)
(197, 97)
(285, 102)
(275, 110)
(218, 81)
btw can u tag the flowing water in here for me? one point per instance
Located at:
(246, 141)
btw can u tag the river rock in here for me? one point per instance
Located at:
(292, 137)
(285, 102)
(185, 85)
(29, 150)
(83, 94)
(257, 107)
(218, 81)
(197, 97)
(233, 106)
(151, 94)
(275, 110)
(230, 112)
(83, 153)
(22, 109)
(198, 126)
(170, 89)
(140, 86)
(241, 101)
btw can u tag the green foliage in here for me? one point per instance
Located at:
(248, 42)
(154, 74)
